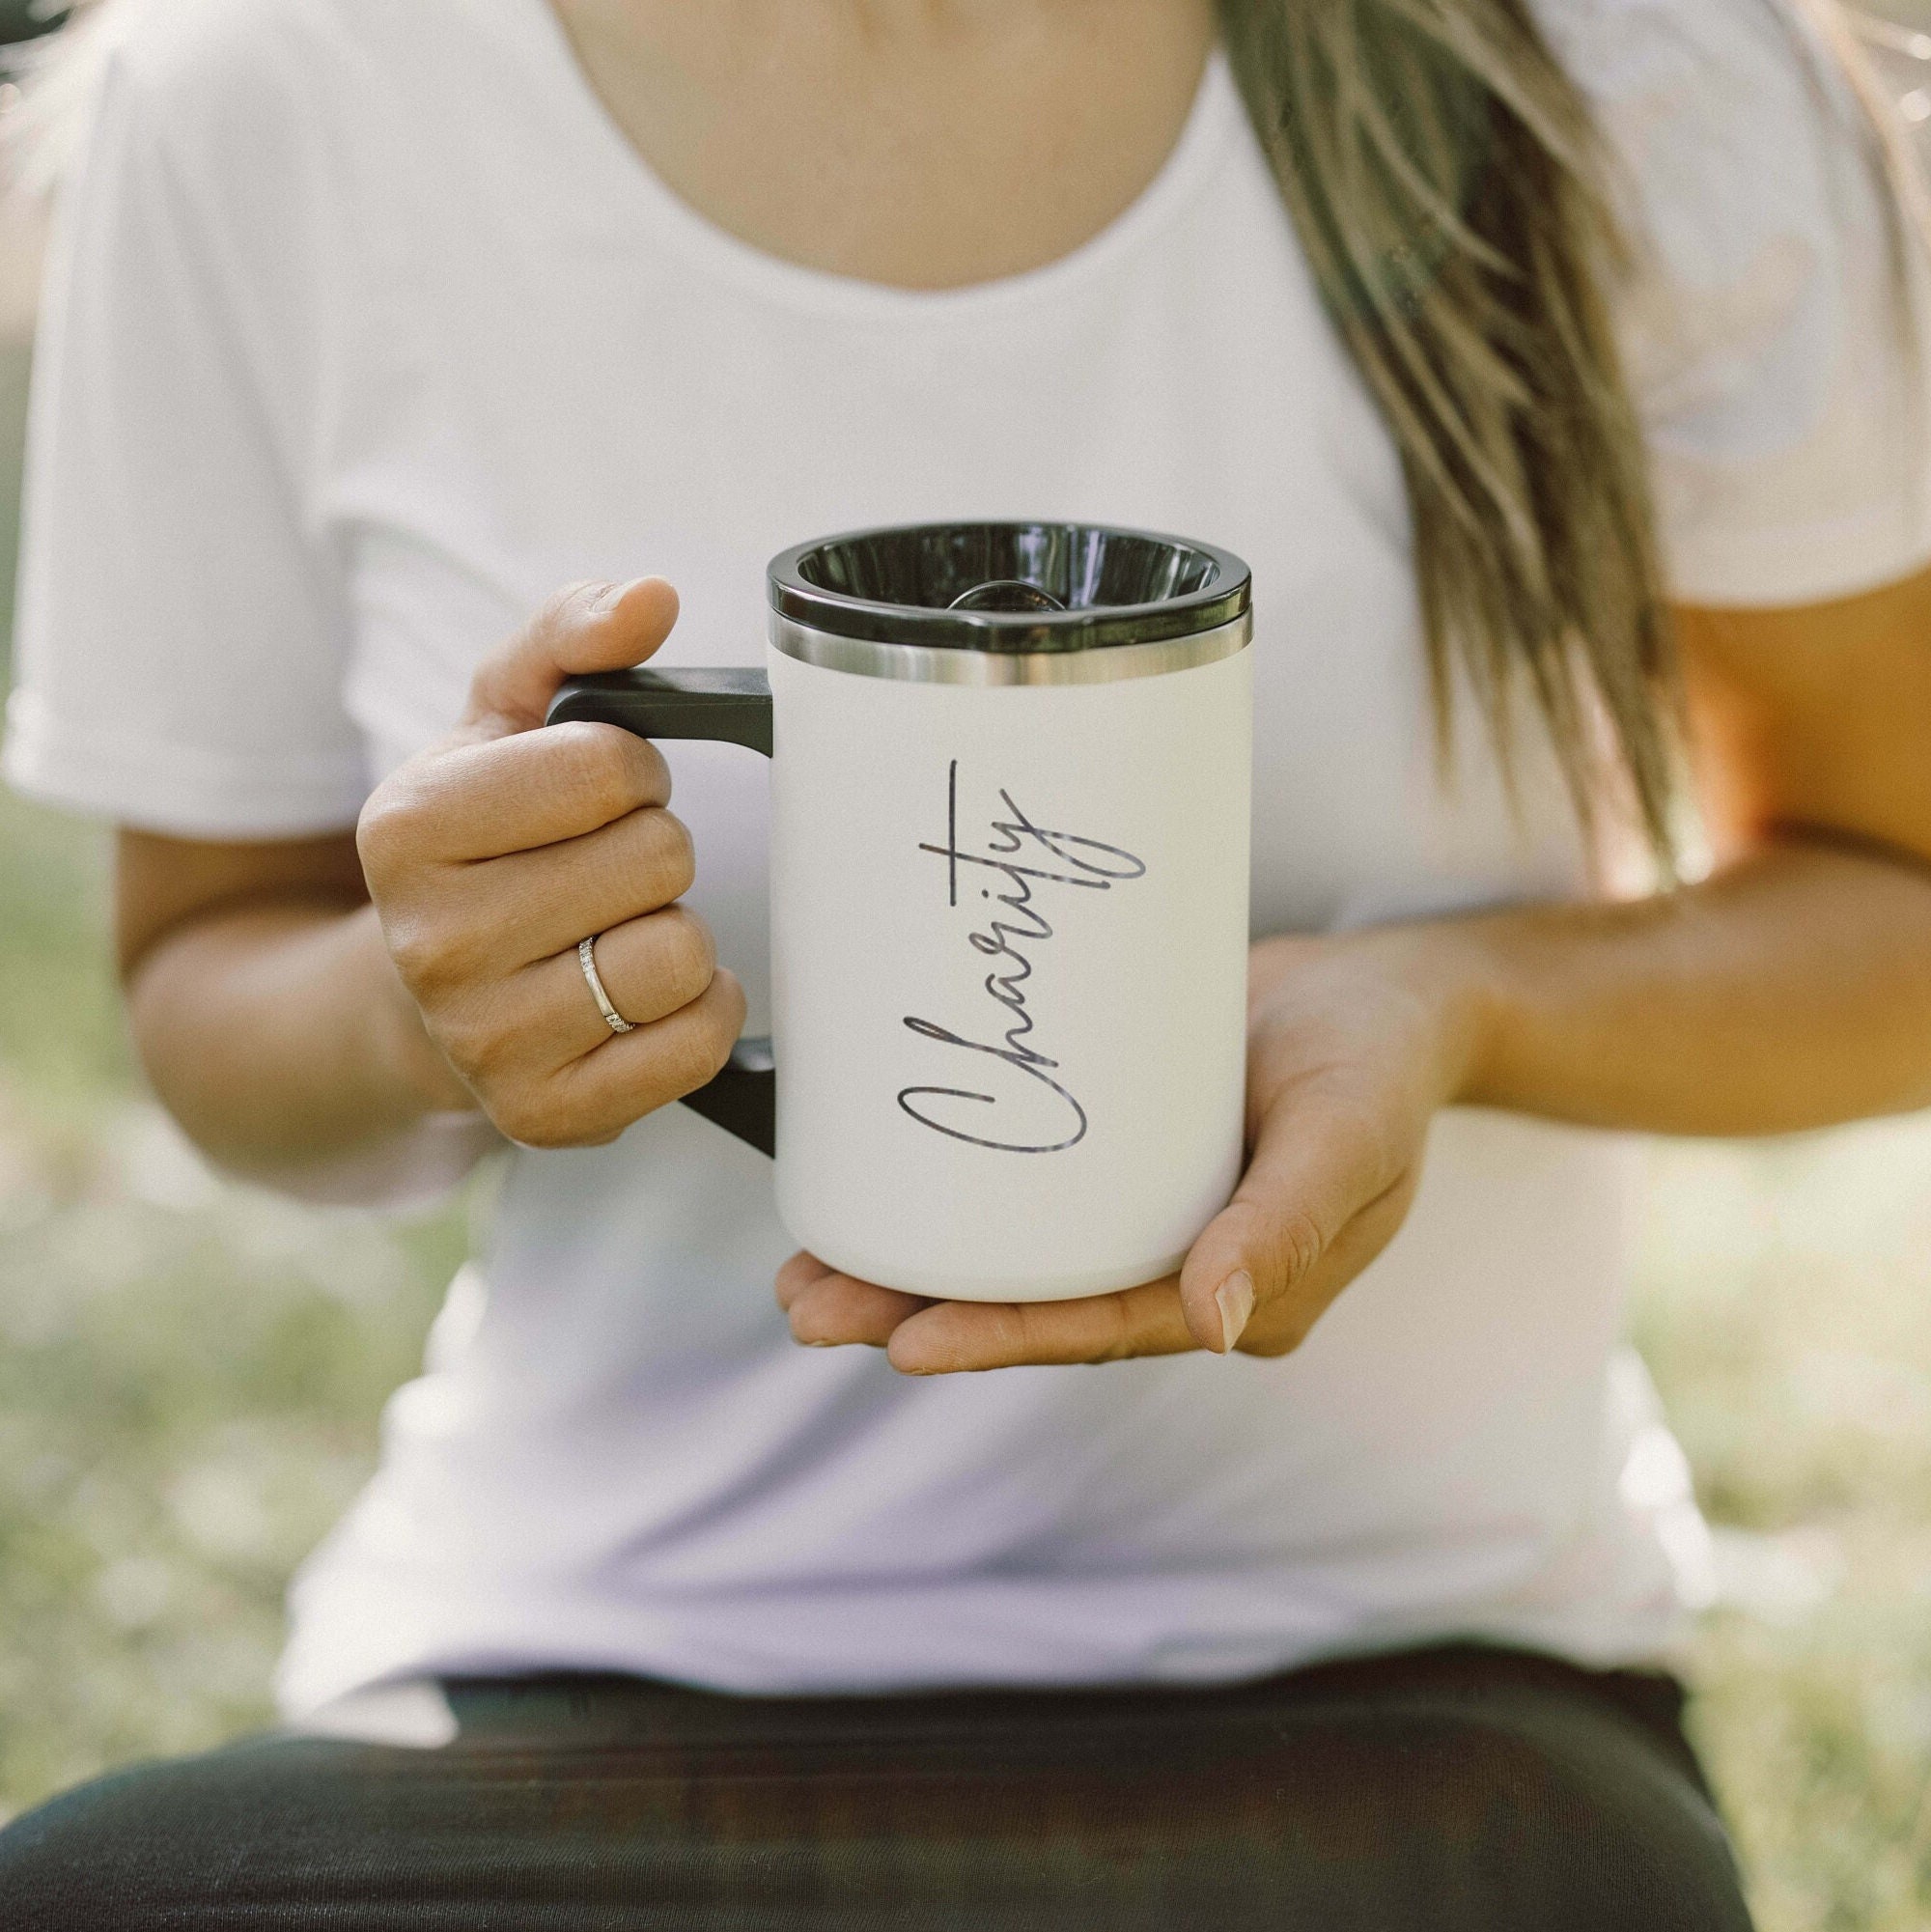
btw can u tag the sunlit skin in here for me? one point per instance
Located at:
(299, 1002)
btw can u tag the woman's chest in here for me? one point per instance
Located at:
(597, 398)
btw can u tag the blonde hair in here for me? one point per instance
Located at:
(1451, 194)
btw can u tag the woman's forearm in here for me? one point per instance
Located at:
(1791, 990)
(281, 1040)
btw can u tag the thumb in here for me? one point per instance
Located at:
(589, 626)
(1313, 1167)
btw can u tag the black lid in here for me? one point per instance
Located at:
(1009, 587)
(23, 20)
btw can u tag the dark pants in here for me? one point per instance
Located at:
(1463, 1789)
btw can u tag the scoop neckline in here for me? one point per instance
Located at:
(1201, 141)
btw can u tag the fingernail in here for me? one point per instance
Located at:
(612, 595)
(1236, 1298)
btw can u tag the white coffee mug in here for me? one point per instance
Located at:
(1011, 772)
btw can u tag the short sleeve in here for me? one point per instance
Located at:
(180, 646)
(1771, 319)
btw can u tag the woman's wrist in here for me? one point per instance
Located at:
(1423, 993)
(1450, 971)
(402, 1130)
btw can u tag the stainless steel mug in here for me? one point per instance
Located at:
(1011, 772)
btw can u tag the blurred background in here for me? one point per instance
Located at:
(191, 1376)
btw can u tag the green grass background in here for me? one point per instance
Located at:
(191, 1377)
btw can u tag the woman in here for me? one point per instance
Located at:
(1506, 348)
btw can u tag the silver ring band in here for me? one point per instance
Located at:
(586, 958)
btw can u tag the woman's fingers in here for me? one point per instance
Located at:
(539, 903)
(584, 628)
(1326, 1156)
(594, 1097)
(828, 1309)
(955, 1338)
(544, 1017)
(524, 1030)
(796, 1275)
(651, 966)
(927, 1337)
(491, 919)
(465, 802)
(952, 1337)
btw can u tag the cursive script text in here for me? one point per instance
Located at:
(1019, 863)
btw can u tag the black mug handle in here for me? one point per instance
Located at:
(728, 708)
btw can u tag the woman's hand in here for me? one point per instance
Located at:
(1353, 1044)
(491, 855)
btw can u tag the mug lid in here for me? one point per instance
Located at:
(1011, 588)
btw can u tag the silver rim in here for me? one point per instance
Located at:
(927, 664)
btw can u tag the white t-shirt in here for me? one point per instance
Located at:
(368, 330)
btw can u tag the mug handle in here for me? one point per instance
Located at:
(726, 708)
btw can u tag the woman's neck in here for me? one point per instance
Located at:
(927, 146)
